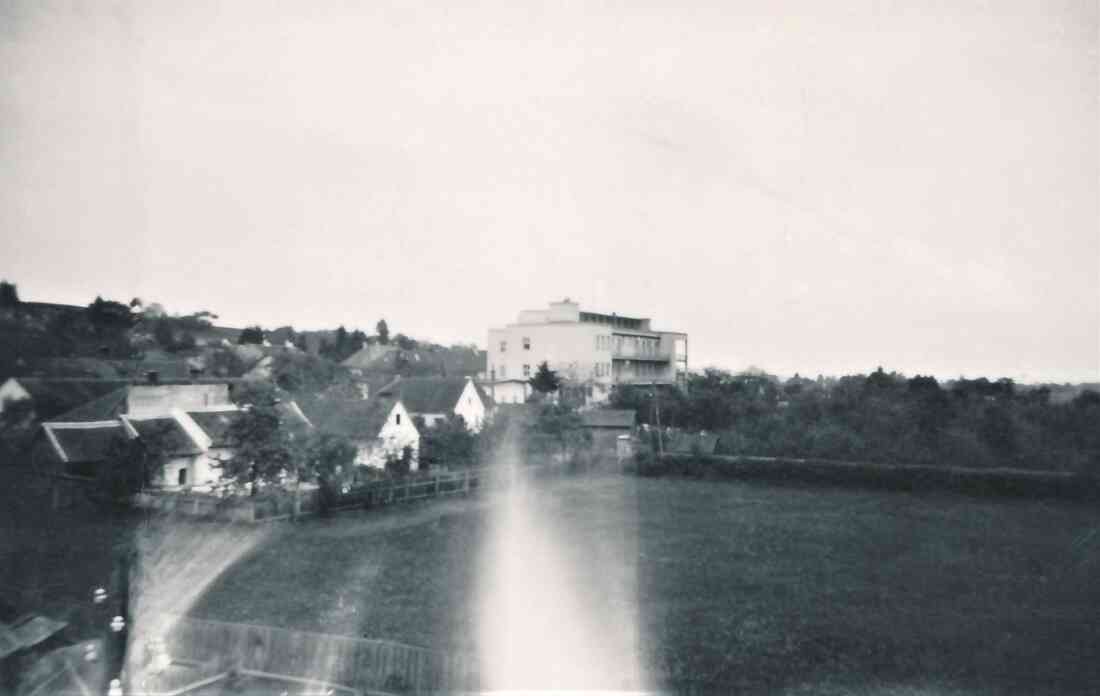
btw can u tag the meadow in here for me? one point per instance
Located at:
(731, 587)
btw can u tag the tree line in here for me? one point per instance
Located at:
(881, 417)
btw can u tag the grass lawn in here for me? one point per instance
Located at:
(733, 586)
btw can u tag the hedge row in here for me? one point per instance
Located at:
(980, 482)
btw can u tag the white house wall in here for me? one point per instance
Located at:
(509, 392)
(12, 390)
(470, 407)
(398, 433)
(154, 401)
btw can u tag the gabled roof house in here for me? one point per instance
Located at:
(380, 427)
(437, 398)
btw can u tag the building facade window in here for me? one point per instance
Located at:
(503, 371)
(503, 346)
(526, 343)
(526, 370)
(397, 418)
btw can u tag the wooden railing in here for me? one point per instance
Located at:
(359, 664)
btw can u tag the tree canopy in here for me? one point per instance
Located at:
(9, 294)
(251, 335)
(545, 380)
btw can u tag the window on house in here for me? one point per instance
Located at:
(526, 370)
(503, 371)
(182, 477)
(526, 343)
(397, 418)
(503, 346)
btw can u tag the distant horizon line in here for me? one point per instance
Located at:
(781, 374)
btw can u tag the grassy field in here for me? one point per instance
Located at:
(735, 587)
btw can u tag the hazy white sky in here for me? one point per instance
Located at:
(813, 187)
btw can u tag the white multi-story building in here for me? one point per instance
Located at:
(588, 349)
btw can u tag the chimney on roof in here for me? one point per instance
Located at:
(152, 377)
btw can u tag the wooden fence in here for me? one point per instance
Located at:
(360, 664)
(268, 508)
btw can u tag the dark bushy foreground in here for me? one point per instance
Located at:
(885, 418)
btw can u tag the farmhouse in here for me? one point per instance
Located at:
(187, 426)
(380, 428)
(437, 398)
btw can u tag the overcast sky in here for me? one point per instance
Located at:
(816, 187)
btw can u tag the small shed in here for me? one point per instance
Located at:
(606, 425)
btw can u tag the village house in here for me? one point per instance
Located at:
(381, 428)
(435, 399)
(186, 425)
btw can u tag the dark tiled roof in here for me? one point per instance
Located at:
(106, 407)
(89, 443)
(85, 368)
(55, 396)
(426, 394)
(356, 419)
(608, 418)
(216, 425)
(165, 435)
(486, 400)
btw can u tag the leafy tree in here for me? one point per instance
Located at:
(164, 335)
(404, 342)
(558, 429)
(109, 316)
(263, 449)
(383, 331)
(447, 443)
(9, 295)
(545, 380)
(187, 341)
(251, 335)
(326, 457)
(224, 362)
(303, 373)
(400, 466)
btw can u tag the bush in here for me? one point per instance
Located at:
(899, 478)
